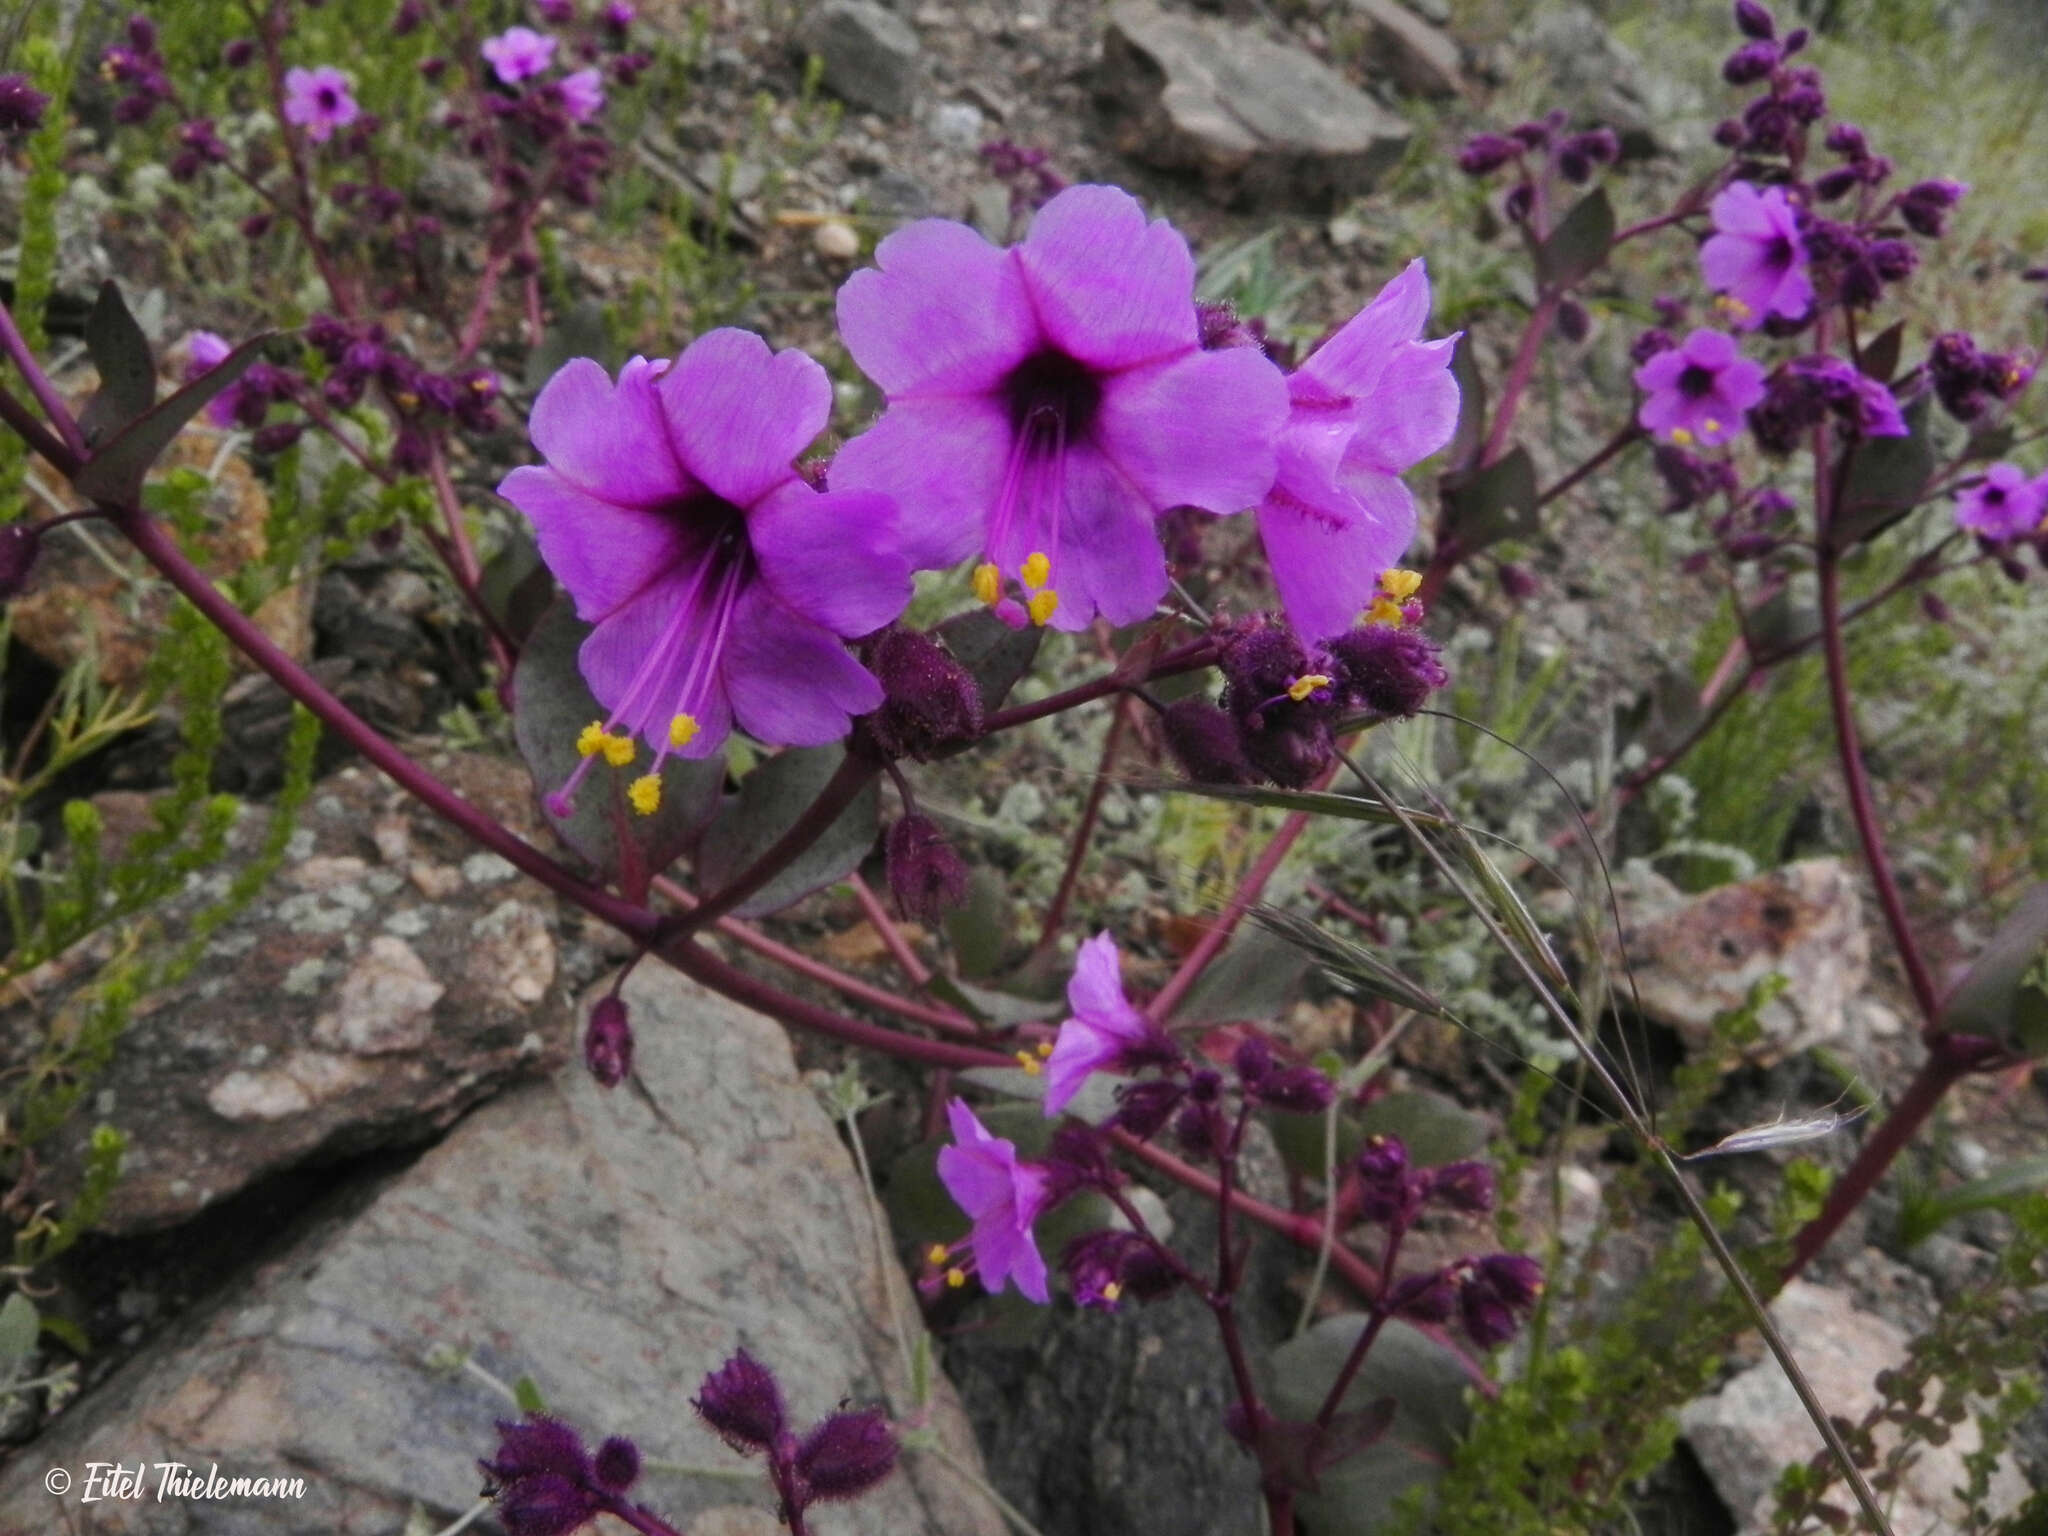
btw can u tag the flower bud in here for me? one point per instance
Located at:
(20, 543)
(1487, 152)
(1195, 1129)
(1204, 741)
(608, 1042)
(742, 1404)
(277, 437)
(537, 1445)
(1574, 323)
(142, 34)
(1298, 1090)
(545, 1505)
(1925, 205)
(238, 52)
(1467, 1187)
(1142, 1108)
(1750, 63)
(1108, 1267)
(21, 105)
(1520, 199)
(1389, 669)
(1517, 582)
(1425, 1298)
(616, 1464)
(1752, 20)
(846, 1455)
(1936, 610)
(925, 875)
(1382, 1158)
(930, 702)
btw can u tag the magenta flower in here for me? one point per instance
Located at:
(1002, 1196)
(2005, 504)
(1698, 390)
(718, 580)
(1369, 403)
(204, 352)
(1049, 401)
(318, 100)
(518, 54)
(582, 95)
(1756, 258)
(1104, 1030)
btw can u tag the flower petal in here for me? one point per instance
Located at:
(942, 462)
(1350, 361)
(739, 414)
(942, 312)
(1079, 1051)
(1109, 289)
(1108, 559)
(1096, 989)
(1412, 410)
(1741, 209)
(831, 557)
(602, 553)
(1327, 543)
(791, 683)
(609, 439)
(616, 651)
(1198, 430)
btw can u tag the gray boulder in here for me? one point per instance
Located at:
(869, 52)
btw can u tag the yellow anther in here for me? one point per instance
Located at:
(1713, 427)
(407, 400)
(618, 750)
(2013, 377)
(1036, 571)
(1113, 1291)
(956, 1277)
(1732, 307)
(1400, 585)
(988, 583)
(1385, 610)
(592, 739)
(1305, 685)
(645, 793)
(1031, 1064)
(682, 730)
(1043, 606)
(937, 1254)
(1044, 1049)
(1680, 436)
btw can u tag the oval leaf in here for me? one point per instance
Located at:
(1434, 1130)
(2005, 995)
(1483, 506)
(1578, 246)
(996, 654)
(127, 371)
(770, 800)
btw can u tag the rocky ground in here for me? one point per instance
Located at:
(370, 1184)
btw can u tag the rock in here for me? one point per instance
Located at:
(869, 52)
(613, 1251)
(836, 240)
(1598, 79)
(1261, 122)
(1695, 957)
(1421, 58)
(1748, 1432)
(960, 124)
(339, 1012)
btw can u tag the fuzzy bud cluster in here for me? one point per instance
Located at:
(548, 1483)
(840, 1457)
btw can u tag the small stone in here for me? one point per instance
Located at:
(487, 869)
(393, 837)
(385, 1002)
(836, 240)
(870, 54)
(327, 873)
(960, 124)
(436, 882)
(1023, 804)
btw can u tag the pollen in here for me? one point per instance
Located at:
(1384, 610)
(1732, 307)
(1031, 1064)
(1681, 436)
(618, 750)
(645, 793)
(1036, 571)
(1044, 1049)
(937, 1254)
(592, 739)
(988, 583)
(956, 1277)
(1713, 427)
(1043, 606)
(1113, 1291)
(1305, 685)
(1400, 585)
(682, 730)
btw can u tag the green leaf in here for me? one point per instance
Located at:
(993, 1007)
(114, 474)
(1578, 246)
(979, 929)
(1316, 802)
(1433, 1129)
(2005, 994)
(127, 370)
(1886, 479)
(1299, 1138)
(1921, 1216)
(997, 655)
(1498, 501)
(526, 1391)
(770, 801)
(19, 1329)
(551, 704)
(1427, 1384)
(1256, 978)
(1881, 353)
(1471, 431)
(516, 588)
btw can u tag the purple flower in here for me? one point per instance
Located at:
(1494, 1293)
(719, 582)
(318, 100)
(1698, 390)
(618, 14)
(2005, 504)
(1756, 258)
(1366, 405)
(1048, 402)
(1107, 1267)
(1002, 1196)
(21, 105)
(1865, 406)
(518, 54)
(1105, 1031)
(582, 95)
(204, 352)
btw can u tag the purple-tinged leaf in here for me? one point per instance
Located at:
(770, 800)
(1578, 246)
(127, 371)
(114, 474)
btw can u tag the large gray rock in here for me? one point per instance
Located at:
(389, 978)
(613, 1250)
(1692, 958)
(869, 53)
(1599, 79)
(1259, 121)
(1422, 58)
(1753, 1428)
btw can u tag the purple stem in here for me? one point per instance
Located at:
(1188, 658)
(641, 1518)
(35, 434)
(45, 392)
(1355, 1361)
(1055, 914)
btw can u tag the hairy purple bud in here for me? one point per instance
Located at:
(1382, 1158)
(930, 703)
(1467, 1186)
(1298, 1090)
(277, 437)
(1517, 582)
(846, 1455)
(1487, 152)
(1752, 20)
(1143, 1108)
(1925, 206)
(1574, 323)
(1838, 183)
(545, 1505)
(1520, 199)
(616, 1464)
(1425, 1298)
(925, 875)
(238, 52)
(1847, 139)
(608, 1042)
(537, 1445)
(1195, 1129)
(742, 1404)
(1389, 669)
(1204, 741)
(1750, 63)
(21, 105)
(142, 34)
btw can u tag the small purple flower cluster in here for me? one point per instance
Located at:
(546, 1482)
(842, 1456)
(1026, 170)
(21, 106)
(1541, 153)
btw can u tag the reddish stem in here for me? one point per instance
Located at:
(47, 395)
(892, 937)
(1187, 658)
(1091, 811)
(1519, 373)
